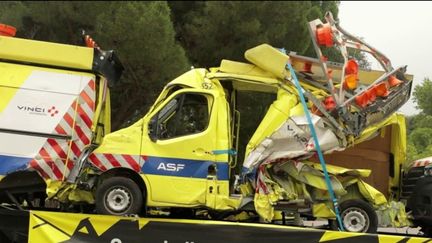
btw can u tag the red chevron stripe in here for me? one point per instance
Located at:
(57, 148)
(82, 135)
(84, 117)
(112, 160)
(91, 84)
(33, 164)
(94, 159)
(131, 161)
(60, 130)
(47, 158)
(75, 149)
(70, 164)
(68, 119)
(87, 99)
(61, 153)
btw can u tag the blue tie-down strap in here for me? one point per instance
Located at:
(225, 151)
(317, 146)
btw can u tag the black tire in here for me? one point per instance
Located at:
(118, 196)
(359, 213)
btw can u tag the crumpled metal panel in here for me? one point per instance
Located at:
(292, 140)
(293, 180)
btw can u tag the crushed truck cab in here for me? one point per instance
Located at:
(187, 152)
(180, 148)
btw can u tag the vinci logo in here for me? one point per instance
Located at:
(53, 111)
(36, 110)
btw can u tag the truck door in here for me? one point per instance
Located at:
(178, 143)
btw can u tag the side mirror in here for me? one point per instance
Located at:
(152, 128)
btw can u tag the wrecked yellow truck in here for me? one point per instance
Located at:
(186, 152)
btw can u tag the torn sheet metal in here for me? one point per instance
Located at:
(66, 192)
(279, 171)
(292, 140)
(292, 180)
(393, 214)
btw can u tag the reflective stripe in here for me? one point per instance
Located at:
(54, 152)
(132, 162)
(108, 161)
(184, 167)
(95, 160)
(160, 166)
(33, 164)
(42, 167)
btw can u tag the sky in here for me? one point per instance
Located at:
(400, 30)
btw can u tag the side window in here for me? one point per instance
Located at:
(184, 115)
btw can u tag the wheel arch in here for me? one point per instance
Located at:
(125, 172)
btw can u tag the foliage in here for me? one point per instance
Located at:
(143, 36)
(51, 21)
(419, 127)
(421, 137)
(414, 154)
(212, 31)
(422, 96)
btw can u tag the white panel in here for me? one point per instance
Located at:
(56, 82)
(20, 145)
(29, 111)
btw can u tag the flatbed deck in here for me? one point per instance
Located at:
(44, 226)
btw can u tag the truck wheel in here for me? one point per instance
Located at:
(357, 216)
(118, 196)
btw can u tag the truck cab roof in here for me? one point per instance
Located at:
(62, 56)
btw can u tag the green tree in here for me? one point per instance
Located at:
(324, 6)
(419, 127)
(418, 121)
(212, 31)
(51, 21)
(143, 35)
(422, 96)
(232, 27)
(412, 153)
(421, 138)
(13, 18)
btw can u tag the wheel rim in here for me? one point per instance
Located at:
(118, 200)
(355, 220)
